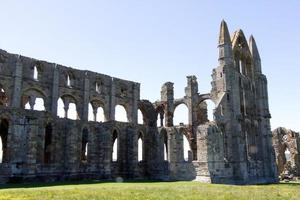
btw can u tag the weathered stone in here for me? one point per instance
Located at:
(235, 148)
(287, 150)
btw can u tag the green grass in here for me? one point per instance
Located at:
(148, 190)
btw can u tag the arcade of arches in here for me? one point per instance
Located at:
(63, 123)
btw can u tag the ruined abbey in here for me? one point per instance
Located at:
(43, 145)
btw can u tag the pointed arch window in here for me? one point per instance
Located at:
(115, 146)
(140, 147)
(84, 145)
(47, 144)
(4, 125)
(35, 73)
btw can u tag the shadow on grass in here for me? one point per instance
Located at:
(90, 182)
(66, 183)
(291, 183)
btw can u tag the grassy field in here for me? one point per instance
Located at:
(149, 190)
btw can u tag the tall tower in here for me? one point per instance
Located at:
(239, 90)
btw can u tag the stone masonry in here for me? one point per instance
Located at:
(287, 150)
(41, 145)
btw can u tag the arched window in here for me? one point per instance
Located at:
(3, 97)
(160, 119)
(3, 137)
(27, 106)
(100, 115)
(35, 104)
(91, 115)
(241, 67)
(98, 87)
(121, 114)
(166, 152)
(186, 148)
(140, 117)
(115, 146)
(140, 148)
(35, 73)
(72, 111)
(181, 115)
(1, 150)
(60, 108)
(210, 110)
(164, 138)
(68, 81)
(39, 104)
(84, 145)
(47, 144)
(287, 155)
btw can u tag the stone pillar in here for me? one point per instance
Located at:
(167, 96)
(112, 101)
(86, 97)
(55, 90)
(191, 92)
(16, 101)
(135, 98)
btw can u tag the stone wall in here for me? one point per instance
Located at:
(49, 144)
(287, 150)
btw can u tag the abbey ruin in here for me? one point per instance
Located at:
(43, 145)
(287, 150)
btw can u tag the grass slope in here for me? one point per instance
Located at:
(148, 190)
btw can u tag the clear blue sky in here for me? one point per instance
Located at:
(155, 41)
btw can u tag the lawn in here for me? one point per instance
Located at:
(148, 190)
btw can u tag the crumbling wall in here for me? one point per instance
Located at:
(48, 144)
(287, 141)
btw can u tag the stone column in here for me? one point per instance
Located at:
(16, 101)
(135, 98)
(86, 97)
(112, 101)
(55, 90)
(167, 96)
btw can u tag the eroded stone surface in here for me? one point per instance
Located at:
(235, 148)
(287, 150)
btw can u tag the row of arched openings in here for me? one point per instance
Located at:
(94, 114)
(115, 146)
(181, 114)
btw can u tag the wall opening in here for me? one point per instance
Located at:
(68, 80)
(186, 148)
(181, 115)
(121, 114)
(1, 150)
(91, 115)
(72, 111)
(140, 117)
(160, 119)
(3, 137)
(115, 146)
(3, 97)
(60, 108)
(98, 87)
(241, 67)
(164, 138)
(100, 115)
(35, 73)
(210, 110)
(165, 152)
(39, 104)
(47, 144)
(140, 147)
(84, 145)
(27, 106)
(287, 155)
